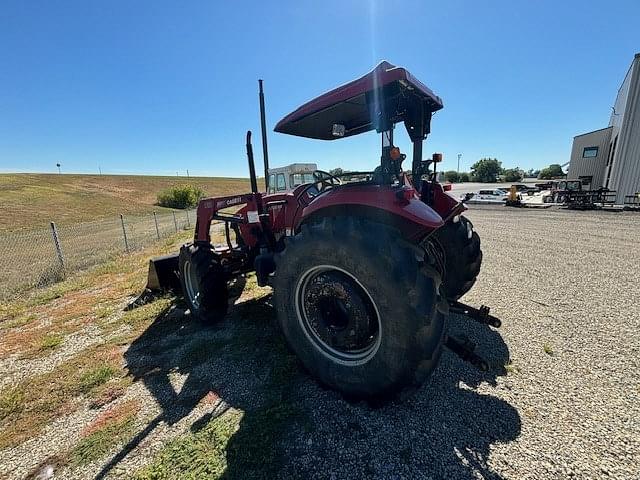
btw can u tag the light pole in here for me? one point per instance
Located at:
(459, 156)
(58, 165)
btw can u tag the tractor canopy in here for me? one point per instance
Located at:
(381, 98)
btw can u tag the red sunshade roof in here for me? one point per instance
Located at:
(386, 90)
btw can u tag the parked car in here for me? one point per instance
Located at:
(495, 194)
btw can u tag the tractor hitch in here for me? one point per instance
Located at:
(465, 349)
(480, 315)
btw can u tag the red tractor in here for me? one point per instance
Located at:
(364, 272)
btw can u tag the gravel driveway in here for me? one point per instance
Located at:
(561, 400)
(565, 285)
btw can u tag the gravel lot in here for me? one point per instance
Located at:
(562, 399)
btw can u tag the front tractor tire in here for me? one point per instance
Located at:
(204, 283)
(460, 246)
(360, 306)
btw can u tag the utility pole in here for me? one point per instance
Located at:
(187, 173)
(99, 170)
(459, 156)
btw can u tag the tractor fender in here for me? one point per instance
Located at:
(383, 204)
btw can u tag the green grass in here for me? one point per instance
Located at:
(104, 311)
(236, 445)
(511, 367)
(198, 455)
(94, 374)
(96, 377)
(11, 311)
(99, 443)
(50, 342)
(141, 315)
(20, 321)
(247, 444)
(262, 430)
(548, 349)
(59, 290)
(11, 402)
(109, 391)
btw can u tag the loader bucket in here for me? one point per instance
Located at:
(163, 273)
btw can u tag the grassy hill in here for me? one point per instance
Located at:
(33, 200)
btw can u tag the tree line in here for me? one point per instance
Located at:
(490, 170)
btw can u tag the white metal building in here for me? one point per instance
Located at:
(610, 157)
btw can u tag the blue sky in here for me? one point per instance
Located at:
(156, 87)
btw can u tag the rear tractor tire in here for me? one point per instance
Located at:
(360, 306)
(460, 245)
(204, 283)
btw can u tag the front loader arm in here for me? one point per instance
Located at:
(209, 209)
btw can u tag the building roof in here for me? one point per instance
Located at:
(593, 131)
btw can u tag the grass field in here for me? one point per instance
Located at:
(33, 200)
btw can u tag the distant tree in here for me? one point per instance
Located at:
(552, 171)
(464, 177)
(531, 173)
(451, 176)
(336, 171)
(486, 170)
(512, 175)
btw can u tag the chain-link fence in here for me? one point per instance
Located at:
(41, 257)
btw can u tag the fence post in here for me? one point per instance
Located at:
(155, 219)
(56, 242)
(188, 221)
(175, 222)
(124, 234)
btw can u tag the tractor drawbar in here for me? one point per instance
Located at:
(480, 315)
(465, 349)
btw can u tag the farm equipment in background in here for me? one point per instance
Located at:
(570, 194)
(364, 272)
(632, 202)
(590, 199)
(513, 198)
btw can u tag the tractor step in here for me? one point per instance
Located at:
(465, 349)
(480, 315)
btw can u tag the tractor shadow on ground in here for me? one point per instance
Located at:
(293, 428)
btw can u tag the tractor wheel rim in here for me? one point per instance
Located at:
(191, 282)
(338, 315)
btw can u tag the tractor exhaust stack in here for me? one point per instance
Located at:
(263, 126)
(252, 166)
